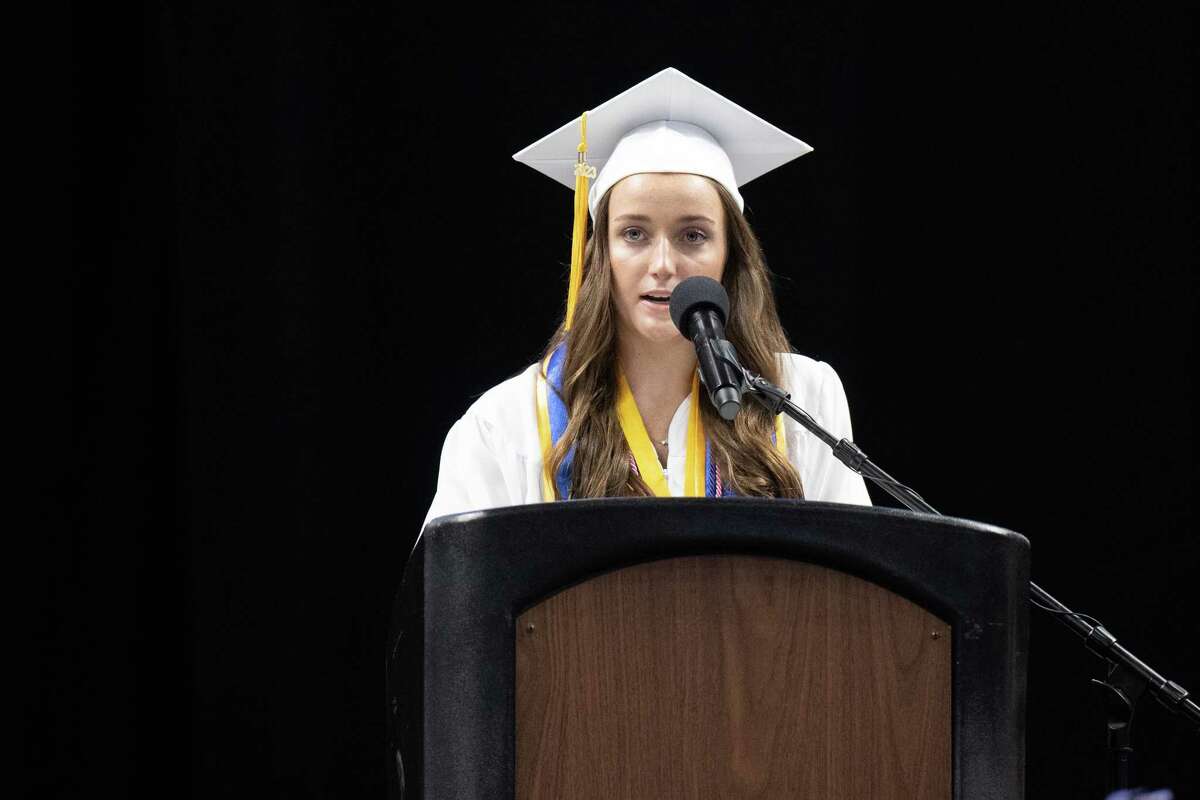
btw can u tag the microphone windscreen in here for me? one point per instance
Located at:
(694, 293)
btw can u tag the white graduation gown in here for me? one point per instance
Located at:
(492, 455)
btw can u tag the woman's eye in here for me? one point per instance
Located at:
(691, 237)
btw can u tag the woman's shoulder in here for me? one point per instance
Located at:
(507, 407)
(802, 373)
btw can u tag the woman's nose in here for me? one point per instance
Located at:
(663, 259)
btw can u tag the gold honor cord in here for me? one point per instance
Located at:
(697, 463)
(583, 173)
(542, 399)
(643, 449)
(638, 438)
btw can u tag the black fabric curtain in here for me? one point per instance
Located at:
(297, 249)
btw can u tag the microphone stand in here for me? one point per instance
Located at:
(1128, 676)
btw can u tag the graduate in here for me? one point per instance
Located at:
(614, 408)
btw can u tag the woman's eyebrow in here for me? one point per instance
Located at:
(686, 218)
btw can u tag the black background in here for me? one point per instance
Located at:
(299, 248)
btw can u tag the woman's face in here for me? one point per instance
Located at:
(663, 227)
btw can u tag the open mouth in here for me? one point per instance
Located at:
(661, 299)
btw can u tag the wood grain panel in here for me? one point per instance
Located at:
(731, 677)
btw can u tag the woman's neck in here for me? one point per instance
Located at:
(660, 376)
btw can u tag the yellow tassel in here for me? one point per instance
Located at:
(583, 173)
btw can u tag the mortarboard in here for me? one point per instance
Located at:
(666, 123)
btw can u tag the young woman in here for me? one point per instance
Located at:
(614, 408)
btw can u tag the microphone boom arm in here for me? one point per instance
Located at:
(1135, 675)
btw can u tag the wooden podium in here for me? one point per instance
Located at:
(691, 648)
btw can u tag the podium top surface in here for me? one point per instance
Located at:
(733, 506)
(936, 561)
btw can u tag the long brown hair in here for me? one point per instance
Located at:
(745, 455)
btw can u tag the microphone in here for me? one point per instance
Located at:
(699, 308)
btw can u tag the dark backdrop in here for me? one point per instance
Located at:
(299, 249)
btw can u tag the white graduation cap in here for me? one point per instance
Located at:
(666, 123)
